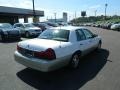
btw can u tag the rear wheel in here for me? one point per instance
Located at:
(75, 61)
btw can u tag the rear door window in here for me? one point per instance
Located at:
(80, 35)
(87, 33)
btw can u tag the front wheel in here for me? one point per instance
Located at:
(99, 46)
(27, 34)
(74, 61)
(1, 38)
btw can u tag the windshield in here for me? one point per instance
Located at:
(29, 25)
(44, 24)
(5, 25)
(59, 35)
(53, 24)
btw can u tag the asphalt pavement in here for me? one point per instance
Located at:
(97, 71)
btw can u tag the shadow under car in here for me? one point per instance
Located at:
(66, 78)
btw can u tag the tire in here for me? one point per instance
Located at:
(27, 34)
(1, 38)
(75, 61)
(99, 46)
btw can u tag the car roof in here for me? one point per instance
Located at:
(23, 23)
(71, 28)
(4, 23)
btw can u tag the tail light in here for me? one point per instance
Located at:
(18, 48)
(48, 54)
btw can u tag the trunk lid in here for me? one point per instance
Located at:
(39, 44)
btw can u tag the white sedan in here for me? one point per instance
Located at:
(28, 29)
(115, 26)
(57, 47)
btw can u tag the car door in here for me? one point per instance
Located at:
(90, 38)
(83, 43)
(19, 27)
(22, 28)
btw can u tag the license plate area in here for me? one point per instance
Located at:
(27, 53)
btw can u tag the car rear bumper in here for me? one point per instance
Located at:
(41, 65)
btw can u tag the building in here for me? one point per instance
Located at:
(12, 15)
(65, 17)
(60, 20)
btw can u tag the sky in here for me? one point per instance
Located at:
(70, 6)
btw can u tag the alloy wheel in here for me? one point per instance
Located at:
(75, 61)
(27, 34)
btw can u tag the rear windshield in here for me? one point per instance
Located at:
(58, 35)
